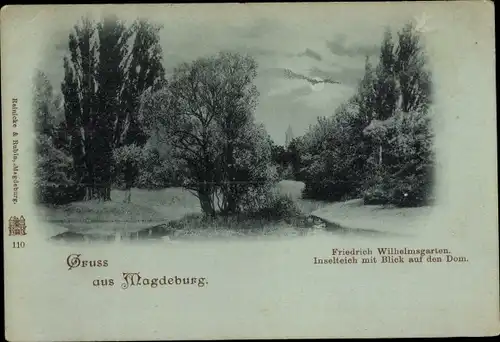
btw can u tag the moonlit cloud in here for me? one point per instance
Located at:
(341, 47)
(312, 54)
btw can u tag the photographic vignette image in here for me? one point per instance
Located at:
(249, 171)
(133, 144)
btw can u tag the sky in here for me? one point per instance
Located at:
(317, 46)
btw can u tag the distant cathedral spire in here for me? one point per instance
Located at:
(288, 136)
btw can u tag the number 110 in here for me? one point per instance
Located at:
(17, 244)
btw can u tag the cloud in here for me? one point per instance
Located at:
(276, 86)
(313, 80)
(346, 76)
(61, 46)
(258, 52)
(312, 54)
(300, 92)
(340, 47)
(257, 29)
(298, 106)
(327, 98)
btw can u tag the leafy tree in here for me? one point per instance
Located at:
(80, 101)
(43, 104)
(386, 91)
(127, 160)
(314, 169)
(253, 171)
(234, 120)
(53, 173)
(158, 169)
(145, 70)
(54, 167)
(365, 97)
(285, 159)
(405, 175)
(295, 151)
(412, 72)
(407, 181)
(110, 78)
(278, 153)
(336, 170)
(206, 115)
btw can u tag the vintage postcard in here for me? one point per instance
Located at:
(235, 171)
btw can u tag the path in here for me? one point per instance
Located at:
(353, 215)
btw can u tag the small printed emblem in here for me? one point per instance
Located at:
(17, 226)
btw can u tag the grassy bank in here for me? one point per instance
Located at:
(196, 225)
(146, 206)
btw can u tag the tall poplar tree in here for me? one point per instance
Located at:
(110, 76)
(145, 70)
(386, 91)
(79, 92)
(412, 73)
(108, 68)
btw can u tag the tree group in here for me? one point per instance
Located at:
(109, 67)
(125, 124)
(378, 145)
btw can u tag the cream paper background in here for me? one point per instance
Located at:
(269, 288)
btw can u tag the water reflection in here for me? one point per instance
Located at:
(151, 233)
(165, 232)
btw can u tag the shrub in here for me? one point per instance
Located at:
(154, 171)
(411, 190)
(286, 172)
(59, 194)
(271, 205)
(405, 177)
(53, 175)
(335, 164)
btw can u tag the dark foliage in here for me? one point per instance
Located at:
(379, 144)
